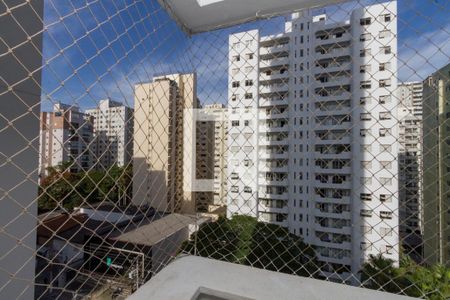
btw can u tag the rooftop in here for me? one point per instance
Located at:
(217, 280)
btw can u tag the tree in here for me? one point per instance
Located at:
(244, 240)
(409, 278)
(63, 189)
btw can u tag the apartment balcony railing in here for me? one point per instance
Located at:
(280, 61)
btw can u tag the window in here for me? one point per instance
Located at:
(386, 18)
(365, 197)
(234, 123)
(389, 249)
(366, 117)
(385, 66)
(249, 82)
(364, 132)
(248, 95)
(235, 189)
(234, 71)
(384, 34)
(365, 21)
(249, 56)
(247, 189)
(384, 99)
(246, 123)
(385, 198)
(386, 214)
(385, 82)
(386, 49)
(365, 37)
(236, 45)
(248, 69)
(233, 97)
(235, 84)
(365, 68)
(234, 176)
(364, 101)
(248, 42)
(383, 131)
(237, 58)
(365, 84)
(247, 162)
(366, 213)
(385, 115)
(364, 52)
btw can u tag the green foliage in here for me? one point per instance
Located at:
(409, 278)
(244, 240)
(62, 189)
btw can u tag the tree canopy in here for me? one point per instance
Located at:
(409, 278)
(246, 241)
(63, 189)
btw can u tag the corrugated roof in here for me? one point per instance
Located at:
(154, 232)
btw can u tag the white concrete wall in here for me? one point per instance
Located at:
(19, 149)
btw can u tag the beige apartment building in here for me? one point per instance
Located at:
(204, 162)
(436, 165)
(220, 149)
(163, 159)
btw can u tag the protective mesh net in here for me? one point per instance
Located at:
(314, 144)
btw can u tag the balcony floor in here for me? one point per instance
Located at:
(189, 276)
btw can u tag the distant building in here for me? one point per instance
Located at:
(204, 162)
(220, 149)
(410, 96)
(436, 166)
(113, 134)
(317, 157)
(65, 136)
(163, 148)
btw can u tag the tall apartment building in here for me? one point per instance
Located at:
(410, 167)
(436, 166)
(204, 162)
(163, 159)
(220, 150)
(113, 134)
(65, 136)
(316, 157)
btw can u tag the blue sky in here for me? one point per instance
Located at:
(95, 49)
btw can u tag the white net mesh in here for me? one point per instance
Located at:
(313, 143)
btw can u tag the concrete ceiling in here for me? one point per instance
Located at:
(205, 15)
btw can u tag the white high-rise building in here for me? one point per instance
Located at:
(113, 134)
(410, 95)
(65, 137)
(320, 158)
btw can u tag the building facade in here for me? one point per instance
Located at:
(410, 97)
(313, 126)
(436, 166)
(220, 150)
(204, 162)
(66, 136)
(113, 134)
(163, 151)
